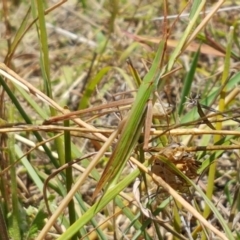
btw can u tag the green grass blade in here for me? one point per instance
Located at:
(30, 169)
(129, 214)
(69, 174)
(90, 88)
(43, 40)
(187, 32)
(187, 82)
(26, 118)
(38, 7)
(194, 8)
(15, 214)
(98, 206)
(213, 166)
(35, 106)
(95, 223)
(17, 38)
(37, 224)
(208, 100)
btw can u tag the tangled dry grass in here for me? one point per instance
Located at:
(90, 43)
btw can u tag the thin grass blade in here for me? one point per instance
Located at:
(187, 83)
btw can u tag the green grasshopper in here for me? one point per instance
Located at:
(132, 126)
(152, 81)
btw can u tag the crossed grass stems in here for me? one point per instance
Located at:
(180, 150)
(181, 156)
(119, 106)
